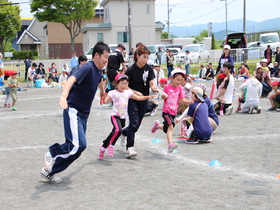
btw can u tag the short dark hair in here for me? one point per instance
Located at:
(34, 64)
(82, 58)
(228, 65)
(99, 48)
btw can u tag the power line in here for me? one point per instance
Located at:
(203, 14)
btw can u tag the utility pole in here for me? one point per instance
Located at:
(129, 26)
(244, 16)
(226, 16)
(168, 17)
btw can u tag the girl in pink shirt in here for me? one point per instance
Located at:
(119, 97)
(175, 93)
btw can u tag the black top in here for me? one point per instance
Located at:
(139, 78)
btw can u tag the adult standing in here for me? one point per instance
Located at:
(115, 60)
(268, 54)
(277, 56)
(253, 94)
(159, 55)
(187, 61)
(27, 63)
(74, 60)
(169, 62)
(141, 79)
(76, 99)
(225, 57)
(227, 90)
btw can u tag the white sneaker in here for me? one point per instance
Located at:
(47, 176)
(130, 152)
(229, 110)
(153, 112)
(122, 140)
(49, 161)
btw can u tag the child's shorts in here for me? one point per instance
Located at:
(168, 119)
(241, 100)
(7, 90)
(14, 96)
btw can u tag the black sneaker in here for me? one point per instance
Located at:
(271, 109)
(192, 141)
(258, 108)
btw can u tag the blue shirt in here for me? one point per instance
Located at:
(83, 90)
(74, 62)
(211, 110)
(201, 124)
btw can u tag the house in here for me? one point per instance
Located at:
(114, 29)
(35, 37)
(110, 24)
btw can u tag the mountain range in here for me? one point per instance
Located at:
(219, 29)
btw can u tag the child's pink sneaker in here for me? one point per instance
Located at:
(9, 105)
(172, 147)
(221, 112)
(155, 127)
(101, 153)
(111, 151)
(5, 105)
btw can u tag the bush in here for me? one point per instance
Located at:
(20, 55)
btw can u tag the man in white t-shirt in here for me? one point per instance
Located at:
(227, 91)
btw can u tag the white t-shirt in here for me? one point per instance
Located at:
(228, 95)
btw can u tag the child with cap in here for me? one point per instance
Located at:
(119, 97)
(275, 97)
(197, 114)
(175, 93)
(13, 85)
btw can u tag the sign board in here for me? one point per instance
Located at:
(8, 54)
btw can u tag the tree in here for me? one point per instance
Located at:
(200, 37)
(164, 35)
(10, 23)
(70, 13)
(213, 43)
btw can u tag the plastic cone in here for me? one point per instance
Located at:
(278, 176)
(156, 140)
(215, 163)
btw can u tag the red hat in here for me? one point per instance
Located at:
(163, 80)
(121, 76)
(12, 72)
(275, 83)
(7, 73)
(222, 76)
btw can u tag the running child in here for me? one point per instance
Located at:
(119, 97)
(13, 85)
(175, 93)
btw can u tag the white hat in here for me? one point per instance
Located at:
(150, 63)
(227, 47)
(198, 92)
(264, 61)
(270, 65)
(177, 71)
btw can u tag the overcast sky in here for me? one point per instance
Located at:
(189, 12)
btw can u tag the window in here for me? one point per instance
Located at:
(123, 37)
(46, 32)
(99, 37)
(148, 9)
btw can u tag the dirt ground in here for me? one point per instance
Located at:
(246, 145)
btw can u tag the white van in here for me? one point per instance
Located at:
(271, 39)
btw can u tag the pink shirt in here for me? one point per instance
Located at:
(171, 103)
(120, 102)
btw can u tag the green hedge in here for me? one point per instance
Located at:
(20, 55)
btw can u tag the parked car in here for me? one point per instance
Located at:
(271, 39)
(174, 46)
(112, 47)
(255, 51)
(198, 53)
(153, 50)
